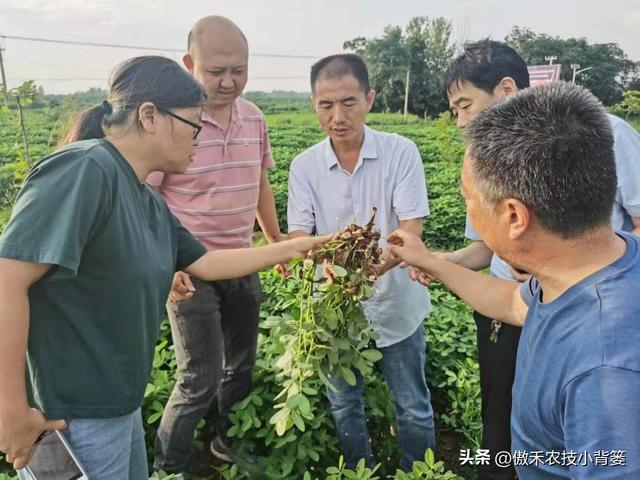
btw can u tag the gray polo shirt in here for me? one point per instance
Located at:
(323, 197)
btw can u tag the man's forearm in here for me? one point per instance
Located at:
(475, 256)
(492, 297)
(266, 212)
(414, 226)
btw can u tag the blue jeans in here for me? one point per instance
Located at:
(108, 448)
(402, 366)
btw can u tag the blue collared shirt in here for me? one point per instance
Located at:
(323, 197)
(626, 150)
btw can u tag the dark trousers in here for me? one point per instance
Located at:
(497, 371)
(215, 338)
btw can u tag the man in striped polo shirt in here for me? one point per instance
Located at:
(218, 198)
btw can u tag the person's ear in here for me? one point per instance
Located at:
(371, 97)
(505, 88)
(188, 62)
(148, 117)
(518, 217)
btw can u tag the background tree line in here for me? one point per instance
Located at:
(425, 47)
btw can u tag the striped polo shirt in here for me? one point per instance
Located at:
(217, 196)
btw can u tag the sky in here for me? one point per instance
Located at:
(310, 28)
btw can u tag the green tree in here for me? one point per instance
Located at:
(634, 79)
(610, 73)
(27, 91)
(629, 106)
(423, 47)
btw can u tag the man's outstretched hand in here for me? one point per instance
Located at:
(409, 250)
(408, 247)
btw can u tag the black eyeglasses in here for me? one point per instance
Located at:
(195, 126)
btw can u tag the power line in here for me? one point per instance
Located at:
(104, 79)
(138, 47)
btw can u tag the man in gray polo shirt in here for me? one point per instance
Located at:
(338, 182)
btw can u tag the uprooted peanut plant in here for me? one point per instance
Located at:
(325, 334)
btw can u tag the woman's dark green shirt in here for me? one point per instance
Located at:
(114, 246)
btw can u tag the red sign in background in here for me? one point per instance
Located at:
(539, 74)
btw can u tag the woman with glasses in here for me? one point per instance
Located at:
(86, 264)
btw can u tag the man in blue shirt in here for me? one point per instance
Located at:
(485, 73)
(539, 180)
(337, 182)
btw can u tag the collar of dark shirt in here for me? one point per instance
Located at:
(368, 151)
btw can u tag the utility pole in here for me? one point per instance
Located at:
(550, 59)
(4, 79)
(24, 131)
(406, 95)
(575, 67)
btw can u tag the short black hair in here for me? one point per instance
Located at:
(337, 66)
(484, 64)
(551, 147)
